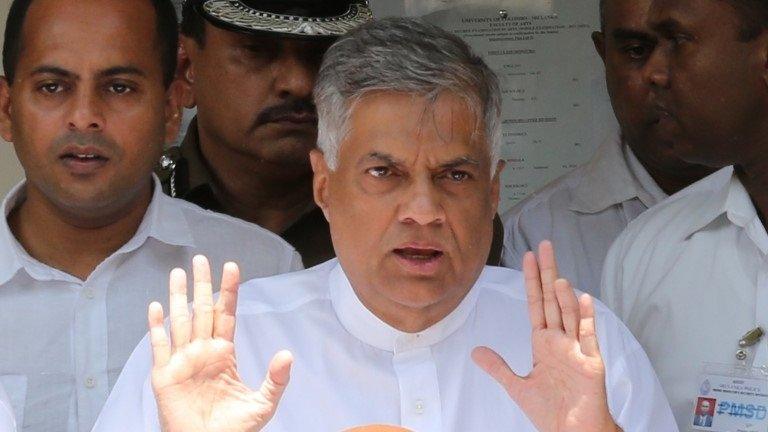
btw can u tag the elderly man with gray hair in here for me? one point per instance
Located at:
(408, 178)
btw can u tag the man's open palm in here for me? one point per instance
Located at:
(195, 378)
(565, 391)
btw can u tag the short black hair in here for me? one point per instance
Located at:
(192, 23)
(167, 33)
(753, 15)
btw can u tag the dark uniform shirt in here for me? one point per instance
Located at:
(185, 174)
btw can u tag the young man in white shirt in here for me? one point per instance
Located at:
(86, 238)
(689, 276)
(408, 178)
(584, 211)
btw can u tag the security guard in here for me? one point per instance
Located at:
(249, 68)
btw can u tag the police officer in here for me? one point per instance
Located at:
(249, 67)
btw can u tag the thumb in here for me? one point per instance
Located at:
(499, 370)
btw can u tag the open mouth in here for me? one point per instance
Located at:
(83, 161)
(83, 157)
(418, 254)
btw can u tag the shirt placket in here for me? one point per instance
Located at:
(420, 405)
(90, 349)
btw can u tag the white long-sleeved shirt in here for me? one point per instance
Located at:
(582, 213)
(64, 341)
(353, 369)
(690, 277)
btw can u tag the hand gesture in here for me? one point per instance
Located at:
(565, 391)
(195, 380)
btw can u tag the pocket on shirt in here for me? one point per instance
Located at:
(15, 387)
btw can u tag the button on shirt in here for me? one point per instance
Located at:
(689, 278)
(582, 213)
(352, 369)
(64, 341)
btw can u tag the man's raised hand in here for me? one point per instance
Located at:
(194, 376)
(565, 391)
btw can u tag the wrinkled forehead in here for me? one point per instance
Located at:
(405, 125)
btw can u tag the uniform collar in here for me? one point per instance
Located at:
(612, 176)
(199, 173)
(163, 221)
(367, 327)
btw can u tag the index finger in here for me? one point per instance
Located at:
(226, 307)
(548, 268)
(533, 291)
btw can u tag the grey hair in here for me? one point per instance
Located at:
(402, 55)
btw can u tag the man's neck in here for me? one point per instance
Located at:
(754, 177)
(72, 244)
(270, 195)
(673, 181)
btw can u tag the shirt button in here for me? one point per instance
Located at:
(419, 406)
(89, 293)
(90, 382)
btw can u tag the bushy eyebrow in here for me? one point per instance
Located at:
(623, 34)
(458, 162)
(106, 73)
(390, 160)
(121, 70)
(53, 70)
(668, 26)
(383, 157)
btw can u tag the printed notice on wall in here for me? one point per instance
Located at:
(556, 111)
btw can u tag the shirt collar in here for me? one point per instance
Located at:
(367, 327)
(612, 176)
(724, 194)
(163, 221)
(10, 249)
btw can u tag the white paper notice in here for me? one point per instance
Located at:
(556, 110)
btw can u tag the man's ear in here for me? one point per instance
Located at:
(496, 185)
(762, 53)
(173, 111)
(6, 129)
(185, 70)
(320, 181)
(598, 39)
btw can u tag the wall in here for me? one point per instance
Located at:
(10, 170)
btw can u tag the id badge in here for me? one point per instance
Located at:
(731, 399)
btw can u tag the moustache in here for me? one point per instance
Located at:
(86, 139)
(291, 109)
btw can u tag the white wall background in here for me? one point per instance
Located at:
(10, 170)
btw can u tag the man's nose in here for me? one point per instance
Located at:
(294, 73)
(86, 112)
(422, 205)
(656, 69)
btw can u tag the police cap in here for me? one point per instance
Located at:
(297, 18)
